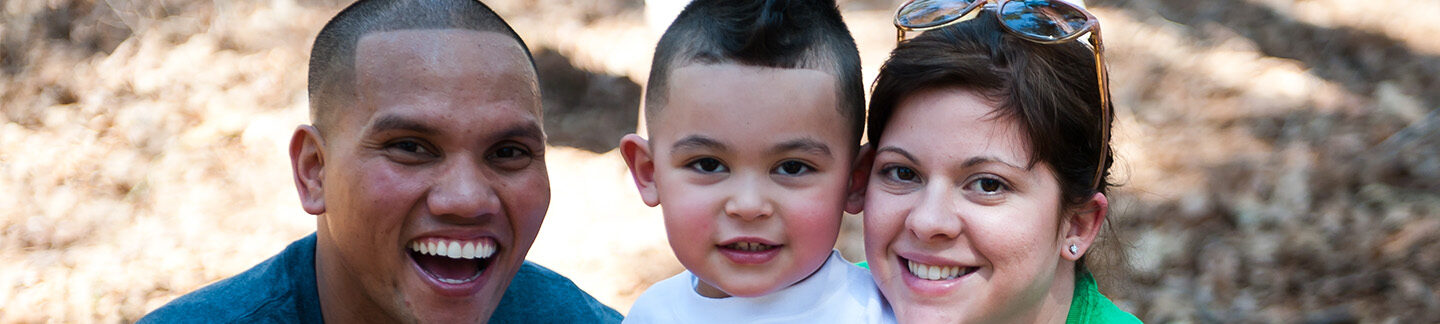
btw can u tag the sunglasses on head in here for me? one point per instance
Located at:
(1040, 21)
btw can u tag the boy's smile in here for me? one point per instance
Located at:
(751, 165)
(749, 250)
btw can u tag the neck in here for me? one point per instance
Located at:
(1056, 305)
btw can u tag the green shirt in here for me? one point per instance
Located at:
(1087, 305)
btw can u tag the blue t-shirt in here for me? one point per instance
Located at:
(283, 290)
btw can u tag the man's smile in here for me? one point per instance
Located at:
(453, 261)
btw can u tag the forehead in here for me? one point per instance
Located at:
(490, 62)
(442, 72)
(750, 110)
(712, 93)
(439, 47)
(958, 124)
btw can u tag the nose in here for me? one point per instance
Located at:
(936, 218)
(462, 190)
(748, 200)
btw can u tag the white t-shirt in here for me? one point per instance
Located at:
(840, 292)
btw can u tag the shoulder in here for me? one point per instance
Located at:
(663, 301)
(1089, 306)
(274, 289)
(855, 277)
(855, 273)
(537, 294)
(670, 289)
(862, 297)
(665, 292)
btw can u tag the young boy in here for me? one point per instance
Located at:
(755, 110)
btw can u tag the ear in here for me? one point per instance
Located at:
(636, 152)
(859, 179)
(307, 163)
(1082, 226)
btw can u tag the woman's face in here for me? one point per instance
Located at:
(959, 227)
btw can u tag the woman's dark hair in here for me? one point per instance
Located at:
(1049, 89)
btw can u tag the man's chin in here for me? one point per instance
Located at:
(428, 307)
(454, 315)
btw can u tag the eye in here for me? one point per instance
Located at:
(989, 186)
(901, 174)
(793, 168)
(707, 165)
(509, 152)
(410, 151)
(410, 147)
(510, 157)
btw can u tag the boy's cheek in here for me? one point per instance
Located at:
(830, 196)
(816, 210)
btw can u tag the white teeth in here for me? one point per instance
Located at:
(455, 249)
(484, 250)
(929, 272)
(749, 246)
(460, 281)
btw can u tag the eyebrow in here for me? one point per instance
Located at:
(899, 151)
(806, 145)
(968, 162)
(527, 130)
(984, 159)
(697, 142)
(395, 122)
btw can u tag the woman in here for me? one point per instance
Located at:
(987, 184)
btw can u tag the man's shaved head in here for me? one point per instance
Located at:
(332, 59)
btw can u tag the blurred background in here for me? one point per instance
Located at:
(1279, 160)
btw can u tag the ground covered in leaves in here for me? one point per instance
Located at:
(1279, 160)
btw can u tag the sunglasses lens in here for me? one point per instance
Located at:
(1045, 20)
(929, 13)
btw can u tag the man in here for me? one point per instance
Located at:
(425, 167)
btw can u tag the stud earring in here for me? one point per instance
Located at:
(1074, 249)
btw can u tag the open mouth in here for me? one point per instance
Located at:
(936, 272)
(453, 261)
(750, 246)
(750, 251)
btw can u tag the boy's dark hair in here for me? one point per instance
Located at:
(332, 58)
(788, 34)
(1049, 90)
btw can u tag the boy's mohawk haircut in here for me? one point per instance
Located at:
(788, 34)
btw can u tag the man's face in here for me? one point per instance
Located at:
(434, 181)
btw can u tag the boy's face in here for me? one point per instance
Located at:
(443, 148)
(752, 166)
